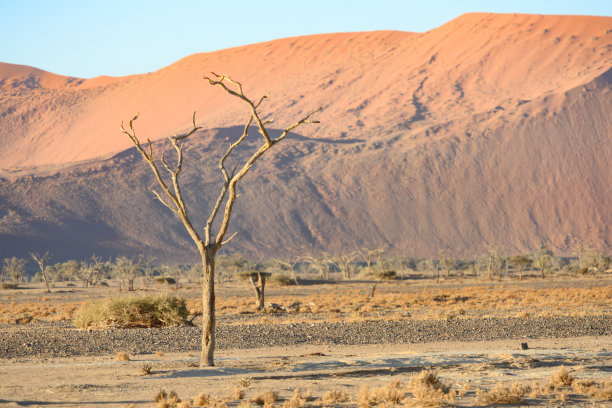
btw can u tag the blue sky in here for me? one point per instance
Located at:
(88, 38)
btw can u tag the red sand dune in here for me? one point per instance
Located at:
(491, 129)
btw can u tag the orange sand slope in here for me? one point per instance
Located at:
(489, 130)
(370, 85)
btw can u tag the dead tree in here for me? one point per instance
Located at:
(258, 280)
(208, 244)
(41, 260)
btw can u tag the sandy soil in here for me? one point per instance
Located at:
(104, 381)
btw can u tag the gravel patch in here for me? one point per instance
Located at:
(47, 340)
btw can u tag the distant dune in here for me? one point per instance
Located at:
(493, 129)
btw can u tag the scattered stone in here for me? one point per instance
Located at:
(59, 339)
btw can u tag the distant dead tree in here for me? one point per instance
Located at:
(521, 262)
(322, 264)
(14, 267)
(258, 282)
(542, 260)
(41, 260)
(369, 253)
(345, 263)
(127, 270)
(92, 272)
(147, 267)
(446, 262)
(172, 196)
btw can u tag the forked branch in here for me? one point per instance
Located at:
(231, 182)
(177, 204)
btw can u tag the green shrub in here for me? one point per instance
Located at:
(148, 311)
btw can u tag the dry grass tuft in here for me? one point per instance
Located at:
(334, 397)
(202, 400)
(169, 400)
(145, 368)
(147, 311)
(298, 399)
(245, 382)
(562, 396)
(537, 390)
(603, 393)
(583, 386)
(390, 394)
(122, 356)
(429, 390)
(464, 390)
(238, 394)
(504, 394)
(364, 397)
(266, 399)
(561, 378)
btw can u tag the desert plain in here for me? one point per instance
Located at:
(333, 342)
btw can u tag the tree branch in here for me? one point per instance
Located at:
(231, 185)
(241, 95)
(176, 196)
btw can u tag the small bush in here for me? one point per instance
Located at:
(429, 390)
(603, 393)
(266, 399)
(389, 394)
(298, 399)
(245, 382)
(583, 386)
(202, 400)
(561, 378)
(378, 275)
(145, 368)
(168, 400)
(149, 311)
(122, 356)
(8, 285)
(165, 280)
(334, 397)
(280, 279)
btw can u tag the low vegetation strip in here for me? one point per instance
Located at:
(125, 312)
(60, 340)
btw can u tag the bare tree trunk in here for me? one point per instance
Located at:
(208, 309)
(259, 285)
(46, 282)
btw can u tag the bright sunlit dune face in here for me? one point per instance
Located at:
(365, 81)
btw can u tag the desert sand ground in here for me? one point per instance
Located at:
(469, 367)
(242, 374)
